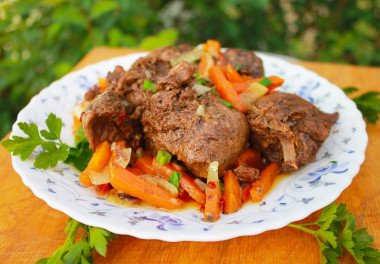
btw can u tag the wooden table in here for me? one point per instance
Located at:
(30, 229)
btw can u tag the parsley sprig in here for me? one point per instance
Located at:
(80, 251)
(337, 232)
(54, 149)
(368, 103)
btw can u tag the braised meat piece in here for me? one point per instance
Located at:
(171, 122)
(248, 62)
(287, 129)
(105, 118)
(247, 174)
(179, 75)
(115, 114)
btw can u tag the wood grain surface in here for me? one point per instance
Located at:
(30, 229)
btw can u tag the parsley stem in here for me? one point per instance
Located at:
(307, 230)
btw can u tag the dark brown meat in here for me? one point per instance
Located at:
(287, 129)
(247, 174)
(170, 122)
(106, 119)
(179, 75)
(249, 62)
(125, 97)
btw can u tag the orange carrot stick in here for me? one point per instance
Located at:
(185, 182)
(129, 183)
(84, 178)
(250, 158)
(213, 208)
(240, 87)
(205, 64)
(100, 158)
(263, 185)
(144, 164)
(246, 195)
(224, 87)
(276, 82)
(233, 75)
(232, 193)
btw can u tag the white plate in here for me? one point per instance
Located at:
(293, 198)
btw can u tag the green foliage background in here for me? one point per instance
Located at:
(42, 40)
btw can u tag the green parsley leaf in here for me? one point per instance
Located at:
(215, 91)
(369, 105)
(265, 81)
(163, 157)
(228, 104)
(221, 184)
(92, 238)
(174, 179)
(53, 151)
(238, 67)
(54, 125)
(200, 80)
(80, 155)
(350, 90)
(149, 85)
(337, 231)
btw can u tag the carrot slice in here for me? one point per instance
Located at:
(144, 164)
(103, 189)
(205, 64)
(213, 47)
(213, 208)
(100, 158)
(135, 171)
(84, 178)
(224, 87)
(129, 183)
(102, 84)
(185, 182)
(250, 158)
(240, 87)
(246, 195)
(262, 186)
(232, 193)
(233, 75)
(276, 82)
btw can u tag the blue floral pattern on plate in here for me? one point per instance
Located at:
(293, 198)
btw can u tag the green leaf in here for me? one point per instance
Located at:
(24, 146)
(80, 155)
(162, 39)
(54, 125)
(98, 239)
(174, 179)
(238, 67)
(103, 7)
(350, 90)
(50, 158)
(200, 80)
(369, 105)
(149, 85)
(265, 81)
(228, 104)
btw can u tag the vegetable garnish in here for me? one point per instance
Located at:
(53, 151)
(149, 85)
(266, 82)
(163, 157)
(337, 232)
(200, 80)
(80, 155)
(175, 178)
(368, 103)
(212, 170)
(228, 104)
(93, 238)
(238, 67)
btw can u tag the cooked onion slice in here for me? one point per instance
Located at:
(201, 89)
(158, 181)
(121, 154)
(201, 110)
(101, 177)
(213, 171)
(190, 56)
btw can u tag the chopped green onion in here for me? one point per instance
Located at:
(215, 91)
(213, 171)
(174, 179)
(163, 157)
(200, 80)
(228, 104)
(238, 67)
(221, 186)
(265, 81)
(149, 85)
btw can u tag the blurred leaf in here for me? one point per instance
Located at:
(103, 7)
(68, 14)
(162, 39)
